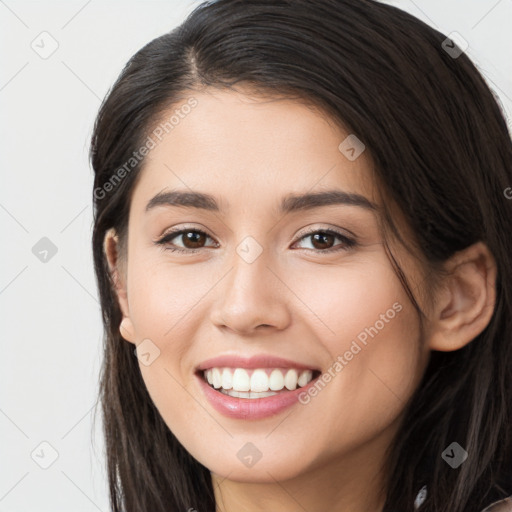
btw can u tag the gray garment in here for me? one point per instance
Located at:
(504, 505)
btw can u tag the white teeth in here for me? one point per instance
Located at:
(216, 378)
(304, 378)
(276, 380)
(259, 381)
(227, 379)
(290, 379)
(256, 382)
(241, 381)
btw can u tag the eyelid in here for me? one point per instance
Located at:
(340, 231)
(181, 229)
(306, 231)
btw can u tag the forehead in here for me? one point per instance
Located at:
(248, 150)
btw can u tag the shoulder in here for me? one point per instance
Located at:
(500, 506)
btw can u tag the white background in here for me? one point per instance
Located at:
(51, 327)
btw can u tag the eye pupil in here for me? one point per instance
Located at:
(320, 236)
(190, 235)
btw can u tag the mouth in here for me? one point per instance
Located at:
(256, 383)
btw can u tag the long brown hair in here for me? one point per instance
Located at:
(442, 153)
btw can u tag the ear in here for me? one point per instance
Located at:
(465, 301)
(117, 269)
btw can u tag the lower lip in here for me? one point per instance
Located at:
(251, 408)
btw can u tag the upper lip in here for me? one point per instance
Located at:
(258, 361)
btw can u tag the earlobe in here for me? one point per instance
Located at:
(117, 273)
(465, 301)
(126, 329)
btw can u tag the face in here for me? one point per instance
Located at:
(296, 296)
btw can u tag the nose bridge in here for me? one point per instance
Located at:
(250, 261)
(251, 295)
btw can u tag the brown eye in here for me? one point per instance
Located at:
(192, 240)
(324, 241)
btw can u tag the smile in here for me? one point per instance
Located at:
(257, 383)
(255, 387)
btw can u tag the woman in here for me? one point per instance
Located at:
(302, 246)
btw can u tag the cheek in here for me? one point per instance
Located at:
(161, 296)
(372, 335)
(345, 302)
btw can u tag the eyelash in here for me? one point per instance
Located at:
(348, 243)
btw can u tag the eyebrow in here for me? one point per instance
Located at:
(290, 203)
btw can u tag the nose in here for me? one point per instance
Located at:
(252, 297)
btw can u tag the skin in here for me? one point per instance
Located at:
(293, 301)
